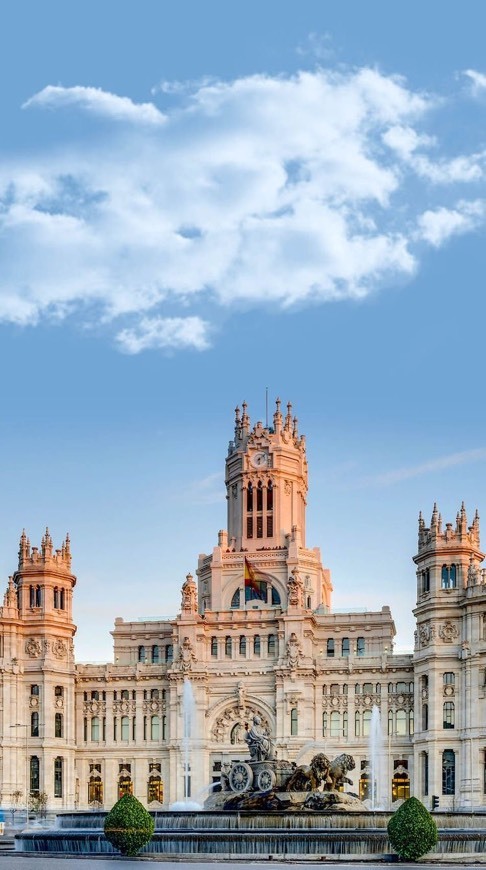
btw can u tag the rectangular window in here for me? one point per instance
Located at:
(269, 526)
(249, 527)
(259, 527)
(58, 777)
(425, 773)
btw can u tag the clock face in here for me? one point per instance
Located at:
(259, 460)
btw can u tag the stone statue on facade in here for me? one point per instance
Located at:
(259, 741)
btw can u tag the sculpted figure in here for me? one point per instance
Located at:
(338, 769)
(259, 742)
(309, 777)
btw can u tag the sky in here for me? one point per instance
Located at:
(200, 201)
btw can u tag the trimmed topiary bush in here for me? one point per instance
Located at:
(412, 830)
(128, 825)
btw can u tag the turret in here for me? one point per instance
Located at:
(266, 480)
(445, 557)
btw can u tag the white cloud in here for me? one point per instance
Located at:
(398, 475)
(437, 226)
(263, 189)
(478, 81)
(169, 333)
(98, 102)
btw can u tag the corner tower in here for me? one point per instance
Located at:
(266, 482)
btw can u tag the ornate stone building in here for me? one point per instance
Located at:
(256, 635)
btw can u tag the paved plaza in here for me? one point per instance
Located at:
(12, 861)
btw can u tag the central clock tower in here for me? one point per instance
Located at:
(266, 482)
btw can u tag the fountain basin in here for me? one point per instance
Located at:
(358, 836)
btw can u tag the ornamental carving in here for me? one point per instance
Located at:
(232, 726)
(186, 655)
(295, 589)
(189, 596)
(448, 632)
(33, 648)
(59, 649)
(426, 634)
(294, 652)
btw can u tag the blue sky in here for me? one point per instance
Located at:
(200, 201)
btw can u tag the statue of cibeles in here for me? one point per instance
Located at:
(259, 741)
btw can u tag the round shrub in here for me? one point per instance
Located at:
(128, 825)
(412, 830)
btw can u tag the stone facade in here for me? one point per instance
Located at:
(256, 635)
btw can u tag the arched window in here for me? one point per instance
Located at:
(401, 722)
(214, 647)
(294, 722)
(155, 790)
(410, 722)
(330, 648)
(335, 724)
(31, 596)
(155, 654)
(272, 644)
(269, 496)
(169, 653)
(364, 786)
(242, 645)
(34, 774)
(228, 647)
(257, 645)
(164, 727)
(366, 723)
(56, 597)
(125, 785)
(449, 576)
(324, 724)
(357, 724)
(345, 689)
(154, 728)
(249, 498)
(34, 725)
(125, 728)
(62, 599)
(276, 600)
(345, 646)
(357, 689)
(448, 772)
(426, 580)
(38, 596)
(269, 510)
(259, 497)
(360, 646)
(345, 723)
(425, 717)
(58, 725)
(142, 654)
(95, 790)
(58, 771)
(95, 728)
(390, 723)
(449, 714)
(378, 688)
(400, 785)
(235, 601)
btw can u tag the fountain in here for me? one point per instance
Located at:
(376, 760)
(268, 808)
(188, 715)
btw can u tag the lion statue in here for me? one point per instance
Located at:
(309, 777)
(338, 768)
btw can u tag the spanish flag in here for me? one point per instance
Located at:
(256, 583)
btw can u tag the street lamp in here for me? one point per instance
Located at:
(23, 725)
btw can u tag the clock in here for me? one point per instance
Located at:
(259, 459)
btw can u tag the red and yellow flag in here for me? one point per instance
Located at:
(256, 583)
